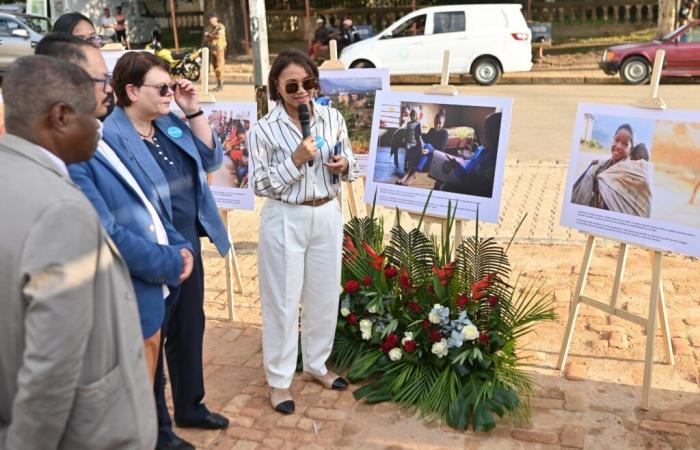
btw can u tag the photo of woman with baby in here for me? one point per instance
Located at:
(621, 182)
(231, 129)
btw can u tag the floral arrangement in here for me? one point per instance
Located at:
(432, 332)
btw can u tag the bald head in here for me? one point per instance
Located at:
(60, 82)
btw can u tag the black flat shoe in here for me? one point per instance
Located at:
(339, 384)
(213, 421)
(177, 444)
(286, 407)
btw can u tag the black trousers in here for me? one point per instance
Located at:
(183, 336)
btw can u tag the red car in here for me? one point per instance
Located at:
(635, 61)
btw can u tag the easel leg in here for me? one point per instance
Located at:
(458, 234)
(619, 273)
(231, 269)
(651, 328)
(351, 200)
(573, 313)
(364, 188)
(665, 331)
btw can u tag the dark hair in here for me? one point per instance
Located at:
(119, 8)
(283, 60)
(212, 14)
(132, 68)
(60, 81)
(628, 127)
(67, 22)
(492, 129)
(63, 46)
(442, 114)
(640, 151)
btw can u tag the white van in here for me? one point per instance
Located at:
(483, 40)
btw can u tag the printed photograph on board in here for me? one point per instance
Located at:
(454, 146)
(352, 92)
(231, 121)
(634, 175)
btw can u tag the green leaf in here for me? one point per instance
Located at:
(458, 413)
(483, 419)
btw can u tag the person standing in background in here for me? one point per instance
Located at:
(120, 28)
(108, 24)
(72, 368)
(215, 36)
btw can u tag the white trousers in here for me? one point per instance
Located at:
(299, 258)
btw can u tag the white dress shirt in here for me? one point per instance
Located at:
(273, 139)
(161, 235)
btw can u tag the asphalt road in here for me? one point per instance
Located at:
(543, 115)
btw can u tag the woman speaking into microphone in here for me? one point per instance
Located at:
(301, 226)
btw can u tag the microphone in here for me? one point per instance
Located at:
(304, 119)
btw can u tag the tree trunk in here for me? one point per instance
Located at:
(667, 17)
(231, 15)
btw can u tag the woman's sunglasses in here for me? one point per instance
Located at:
(163, 88)
(293, 87)
(95, 40)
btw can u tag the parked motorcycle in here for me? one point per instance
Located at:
(184, 64)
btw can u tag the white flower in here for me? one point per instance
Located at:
(407, 336)
(470, 332)
(440, 348)
(372, 309)
(366, 336)
(366, 328)
(395, 354)
(344, 312)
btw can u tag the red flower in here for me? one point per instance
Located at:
(435, 335)
(426, 324)
(479, 288)
(351, 286)
(349, 246)
(445, 273)
(352, 319)
(389, 342)
(493, 300)
(376, 260)
(462, 301)
(414, 307)
(409, 346)
(484, 338)
(367, 280)
(390, 272)
(405, 280)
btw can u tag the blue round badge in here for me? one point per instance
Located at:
(175, 132)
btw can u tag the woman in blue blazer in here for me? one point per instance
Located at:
(173, 158)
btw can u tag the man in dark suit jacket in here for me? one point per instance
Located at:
(72, 369)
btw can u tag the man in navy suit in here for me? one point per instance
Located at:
(158, 257)
(173, 159)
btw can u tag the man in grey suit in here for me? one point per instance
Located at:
(72, 369)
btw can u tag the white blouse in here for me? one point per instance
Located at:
(273, 139)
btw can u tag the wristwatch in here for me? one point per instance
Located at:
(194, 114)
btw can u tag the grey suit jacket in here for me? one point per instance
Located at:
(72, 368)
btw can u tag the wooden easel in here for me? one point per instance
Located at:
(444, 88)
(233, 273)
(656, 296)
(335, 64)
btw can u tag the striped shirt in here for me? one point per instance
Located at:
(273, 139)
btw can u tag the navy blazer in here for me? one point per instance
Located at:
(121, 135)
(129, 224)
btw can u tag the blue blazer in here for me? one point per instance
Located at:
(121, 135)
(129, 224)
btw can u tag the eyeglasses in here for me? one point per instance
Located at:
(308, 84)
(106, 81)
(95, 40)
(163, 88)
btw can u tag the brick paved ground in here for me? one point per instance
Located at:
(595, 405)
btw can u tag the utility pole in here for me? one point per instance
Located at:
(261, 55)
